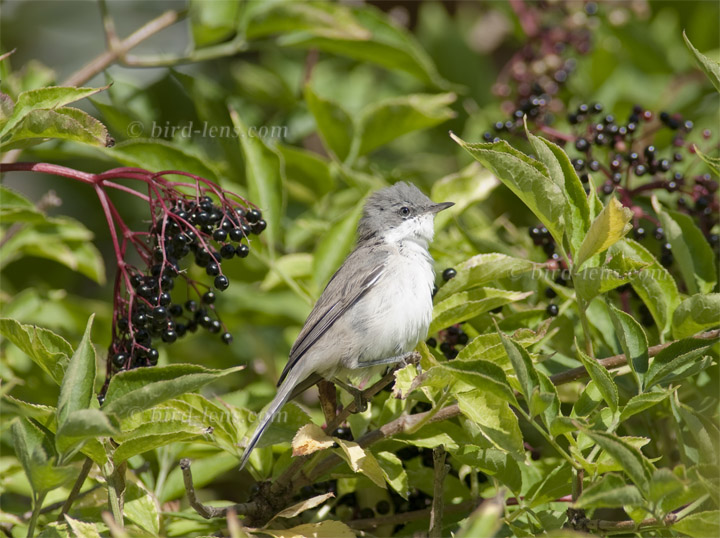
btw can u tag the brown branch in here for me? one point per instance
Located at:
(441, 471)
(617, 361)
(625, 525)
(105, 59)
(209, 511)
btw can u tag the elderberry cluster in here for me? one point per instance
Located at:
(192, 226)
(532, 79)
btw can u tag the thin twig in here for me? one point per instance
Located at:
(441, 471)
(208, 511)
(105, 59)
(617, 361)
(87, 465)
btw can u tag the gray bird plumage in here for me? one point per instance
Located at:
(376, 307)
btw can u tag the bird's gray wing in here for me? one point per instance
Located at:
(347, 286)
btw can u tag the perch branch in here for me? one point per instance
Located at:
(208, 511)
(441, 471)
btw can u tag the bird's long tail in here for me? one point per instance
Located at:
(296, 375)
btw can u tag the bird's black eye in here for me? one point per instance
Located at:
(404, 211)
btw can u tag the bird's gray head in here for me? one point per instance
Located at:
(399, 213)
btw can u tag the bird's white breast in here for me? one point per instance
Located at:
(399, 314)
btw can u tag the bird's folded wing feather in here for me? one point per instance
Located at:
(348, 285)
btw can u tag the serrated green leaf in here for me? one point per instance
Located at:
(80, 426)
(704, 431)
(140, 445)
(395, 473)
(641, 402)
(139, 389)
(611, 225)
(465, 305)
(592, 281)
(675, 357)
(467, 187)
(497, 422)
(48, 350)
(527, 178)
(523, 367)
(490, 348)
(577, 212)
(493, 462)
(632, 461)
(34, 448)
(43, 98)
(64, 124)
(361, 461)
(483, 375)
(691, 251)
(483, 269)
(554, 485)
(696, 313)
(710, 67)
(82, 529)
(700, 524)
(654, 284)
(712, 162)
(602, 378)
(633, 341)
(78, 384)
(610, 491)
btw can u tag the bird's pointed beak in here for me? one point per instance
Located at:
(436, 208)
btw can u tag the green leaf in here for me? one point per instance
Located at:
(308, 175)
(141, 507)
(557, 483)
(140, 445)
(34, 448)
(592, 281)
(675, 357)
(158, 155)
(700, 524)
(139, 389)
(483, 269)
(654, 285)
(82, 529)
(213, 22)
(695, 314)
(712, 162)
(361, 461)
(48, 350)
(632, 461)
(392, 118)
(633, 342)
(704, 431)
(562, 172)
(78, 384)
(85, 424)
(610, 491)
(61, 239)
(497, 422)
(493, 462)
(527, 178)
(483, 375)
(465, 305)
(693, 254)
(364, 34)
(467, 187)
(641, 402)
(394, 472)
(43, 98)
(523, 366)
(64, 123)
(490, 348)
(265, 177)
(486, 520)
(601, 377)
(611, 225)
(335, 125)
(710, 67)
(334, 246)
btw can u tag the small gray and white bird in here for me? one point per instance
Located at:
(376, 307)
